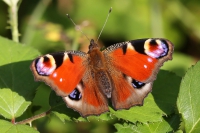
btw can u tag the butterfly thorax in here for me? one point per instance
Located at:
(98, 69)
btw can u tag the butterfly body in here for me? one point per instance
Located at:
(123, 72)
(98, 69)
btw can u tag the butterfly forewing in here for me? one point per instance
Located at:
(140, 59)
(62, 71)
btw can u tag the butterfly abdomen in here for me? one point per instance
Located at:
(104, 82)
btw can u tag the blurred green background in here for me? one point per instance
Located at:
(43, 24)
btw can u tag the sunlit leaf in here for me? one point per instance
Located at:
(16, 81)
(11, 104)
(148, 112)
(189, 99)
(167, 124)
(125, 128)
(7, 127)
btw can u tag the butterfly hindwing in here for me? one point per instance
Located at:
(127, 92)
(91, 100)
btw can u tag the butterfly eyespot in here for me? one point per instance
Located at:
(75, 95)
(46, 59)
(137, 84)
(45, 65)
(164, 47)
(156, 48)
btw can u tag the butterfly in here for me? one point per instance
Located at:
(123, 72)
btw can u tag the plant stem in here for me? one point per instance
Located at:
(29, 120)
(13, 14)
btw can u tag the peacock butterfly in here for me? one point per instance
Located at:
(123, 72)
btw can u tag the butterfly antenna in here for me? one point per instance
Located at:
(104, 23)
(77, 27)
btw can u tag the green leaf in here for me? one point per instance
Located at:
(189, 99)
(7, 127)
(163, 101)
(165, 91)
(16, 78)
(10, 109)
(179, 131)
(103, 117)
(125, 128)
(148, 112)
(168, 124)
(41, 100)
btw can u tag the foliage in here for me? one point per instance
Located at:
(173, 105)
(7, 127)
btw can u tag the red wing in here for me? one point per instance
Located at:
(140, 59)
(133, 66)
(61, 71)
(87, 99)
(128, 92)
